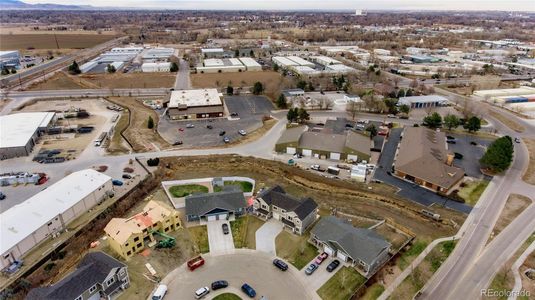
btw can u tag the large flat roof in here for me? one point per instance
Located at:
(249, 62)
(422, 99)
(192, 98)
(23, 219)
(17, 129)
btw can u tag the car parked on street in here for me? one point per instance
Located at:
(220, 284)
(226, 139)
(116, 182)
(317, 168)
(333, 265)
(321, 258)
(242, 132)
(222, 133)
(517, 140)
(209, 126)
(127, 176)
(202, 292)
(280, 264)
(189, 125)
(177, 143)
(225, 228)
(248, 290)
(311, 268)
(2, 196)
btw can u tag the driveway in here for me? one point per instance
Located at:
(219, 243)
(266, 234)
(320, 276)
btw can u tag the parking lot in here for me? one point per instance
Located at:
(250, 111)
(471, 153)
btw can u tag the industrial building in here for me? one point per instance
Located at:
(316, 66)
(216, 53)
(156, 67)
(49, 212)
(521, 100)
(423, 101)
(251, 64)
(100, 64)
(158, 54)
(127, 50)
(325, 60)
(129, 236)
(221, 65)
(419, 59)
(10, 59)
(21, 131)
(195, 104)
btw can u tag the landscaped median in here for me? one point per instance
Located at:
(342, 285)
(244, 231)
(295, 249)
(227, 296)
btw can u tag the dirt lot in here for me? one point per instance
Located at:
(141, 137)
(60, 81)
(529, 176)
(130, 80)
(117, 144)
(47, 41)
(396, 238)
(270, 80)
(513, 207)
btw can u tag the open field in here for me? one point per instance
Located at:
(507, 121)
(373, 292)
(472, 191)
(513, 207)
(295, 248)
(130, 80)
(141, 137)
(60, 81)
(529, 176)
(342, 285)
(394, 237)
(270, 80)
(406, 258)
(29, 29)
(48, 41)
(199, 234)
(243, 231)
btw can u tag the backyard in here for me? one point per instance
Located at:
(245, 186)
(295, 248)
(244, 231)
(342, 285)
(179, 191)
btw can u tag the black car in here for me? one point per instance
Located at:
(127, 176)
(333, 265)
(220, 284)
(2, 196)
(225, 228)
(247, 289)
(451, 141)
(177, 143)
(209, 126)
(280, 264)
(222, 133)
(233, 114)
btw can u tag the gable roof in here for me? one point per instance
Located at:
(94, 268)
(423, 154)
(359, 243)
(230, 199)
(278, 197)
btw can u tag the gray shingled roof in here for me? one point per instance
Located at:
(230, 199)
(278, 197)
(322, 141)
(94, 268)
(359, 142)
(359, 243)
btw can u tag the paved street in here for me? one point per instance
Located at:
(182, 81)
(265, 236)
(219, 243)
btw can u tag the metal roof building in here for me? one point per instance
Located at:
(423, 101)
(20, 132)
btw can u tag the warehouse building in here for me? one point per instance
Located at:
(224, 65)
(49, 212)
(195, 104)
(156, 67)
(135, 50)
(251, 64)
(216, 53)
(325, 60)
(21, 131)
(423, 101)
(158, 54)
(10, 59)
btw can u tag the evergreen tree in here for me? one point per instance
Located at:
(258, 88)
(150, 123)
(433, 121)
(281, 101)
(451, 121)
(499, 155)
(174, 67)
(473, 124)
(372, 130)
(230, 90)
(74, 68)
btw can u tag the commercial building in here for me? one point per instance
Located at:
(363, 248)
(156, 67)
(130, 236)
(251, 64)
(382, 52)
(135, 50)
(10, 59)
(21, 131)
(419, 59)
(49, 212)
(216, 206)
(295, 214)
(423, 101)
(216, 53)
(195, 104)
(97, 276)
(158, 54)
(325, 60)
(423, 158)
(217, 65)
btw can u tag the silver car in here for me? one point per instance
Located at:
(311, 268)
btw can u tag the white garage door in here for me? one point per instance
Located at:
(222, 216)
(307, 152)
(212, 218)
(352, 157)
(328, 250)
(290, 150)
(276, 216)
(341, 256)
(335, 156)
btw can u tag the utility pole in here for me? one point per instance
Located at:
(56, 38)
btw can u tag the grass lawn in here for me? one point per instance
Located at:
(243, 231)
(227, 296)
(199, 234)
(295, 248)
(373, 292)
(179, 191)
(472, 191)
(245, 186)
(415, 250)
(342, 285)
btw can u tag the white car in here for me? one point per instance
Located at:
(190, 125)
(202, 292)
(242, 132)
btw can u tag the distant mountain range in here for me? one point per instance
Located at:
(16, 5)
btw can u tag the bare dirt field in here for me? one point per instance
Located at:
(529, 176)
(48, 41)
(141, 137)
(513, 207)
(271, 81)
(131, 80)
(60, 81)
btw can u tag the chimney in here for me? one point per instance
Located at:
(449, 159)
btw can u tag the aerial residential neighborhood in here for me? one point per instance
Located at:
(233, 150)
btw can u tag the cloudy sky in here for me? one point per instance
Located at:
(507, 5)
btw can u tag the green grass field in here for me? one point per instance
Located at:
(179, 191)
(472, 191)
(295, 249)
(342, 285)
(244, 231)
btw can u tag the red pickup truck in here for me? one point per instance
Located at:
(196, 262)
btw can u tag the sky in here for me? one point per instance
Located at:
(506, 5)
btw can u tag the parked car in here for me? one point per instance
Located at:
(189, 125)
(517, 140)
(117, 182)
(449, 137)
(248, 290)
(222, 133)
(298, 155)
(242, 132)
(195, 262)
(233, 114)
(202, 292)
(177, 143)
(226, 139)
(225, 228)
(473, 143)
(451, 141)
(280, 264)
(160, 292)
(321, 258)
(220, 284)
(127, 176)
(2, 196)
(333, 265)
(209, 126)
(180, 129)
(311, 268)
(317, 168)
(458, 155)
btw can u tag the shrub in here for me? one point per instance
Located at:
(153, 162)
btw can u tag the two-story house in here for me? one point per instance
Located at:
(295, 214)
(98, 276)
